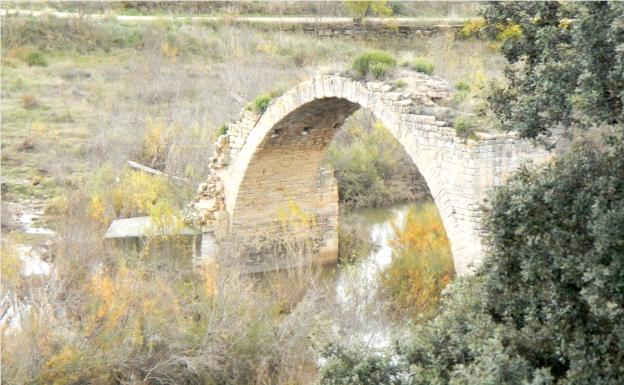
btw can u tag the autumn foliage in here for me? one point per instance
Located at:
(421, 266)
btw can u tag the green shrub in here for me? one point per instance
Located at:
(422, 65)
(261, 102)
(36, 58)
(357, 366)
(379, 70)
(464, 127)
(378, 61)
(555, 270)
(586, 88)
(462, 86)
(222, 130)
(400, 83)
(463, 89)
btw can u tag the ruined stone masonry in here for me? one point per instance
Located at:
(267, 162)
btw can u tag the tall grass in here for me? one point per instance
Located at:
(422, 65)
(80, 35)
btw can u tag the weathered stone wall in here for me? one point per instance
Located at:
(351, 29)
(269, 162)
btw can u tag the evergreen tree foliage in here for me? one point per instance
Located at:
(556, 270)
(566, 64)
(355, 366)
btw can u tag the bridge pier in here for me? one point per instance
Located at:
(309, 212)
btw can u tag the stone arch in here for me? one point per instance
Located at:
(276, 157)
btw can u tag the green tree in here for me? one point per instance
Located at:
(361, 9)
(566, 64)
(555, 274)
(357, 367)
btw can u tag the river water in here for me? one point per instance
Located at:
(358, 314)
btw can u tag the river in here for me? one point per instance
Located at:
(358, 315)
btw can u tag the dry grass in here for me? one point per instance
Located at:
(273, 8)
(29, 101)
(110, 317)
(97, 105)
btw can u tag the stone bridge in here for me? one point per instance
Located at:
(271, 162)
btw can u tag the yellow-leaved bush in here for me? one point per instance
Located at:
(66, 367)
(421, 265)
(11, 265)
(509, 31)
(130, 308)
(126, 313)
(157, 142)
(130, 193)
(295, 218)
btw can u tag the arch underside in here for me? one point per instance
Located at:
(284, 184)
(284, 174)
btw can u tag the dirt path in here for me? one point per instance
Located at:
(408, 21)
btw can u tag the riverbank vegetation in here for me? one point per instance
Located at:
(110, 314)
(142, 319)
(371, 166)
(375, 63)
